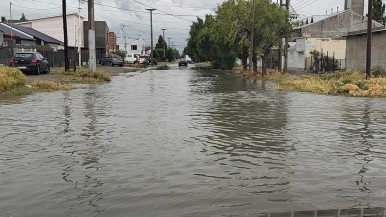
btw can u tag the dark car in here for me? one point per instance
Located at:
(30, 62)
(182, 62)
(155, 62)
(112, 60)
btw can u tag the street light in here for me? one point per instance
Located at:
(151, 32)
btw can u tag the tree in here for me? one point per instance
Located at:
(379, 11)
(195, 29)
(23, 17)
(312, 19)
(160, 43)
(307, 21)
(272, 29)
(121, 53)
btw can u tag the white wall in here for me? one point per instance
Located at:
(53, 26)
(129, 42)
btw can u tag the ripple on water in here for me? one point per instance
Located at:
(189, 143)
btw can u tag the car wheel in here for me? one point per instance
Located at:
(48, 69)
(102, 63)
(38, 70)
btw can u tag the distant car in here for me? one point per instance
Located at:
(29, 62)
(182, 62)
(112, 60)
(155, 62)
(141, 60)
(131, 58)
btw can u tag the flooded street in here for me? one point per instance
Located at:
(187, 142)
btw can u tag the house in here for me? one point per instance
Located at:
(53, 27)
(131, 45)
(327, 35)
(41, 38)
(357, 47)
(19, 37)
(101, 37)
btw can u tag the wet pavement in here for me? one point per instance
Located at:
(188, 142)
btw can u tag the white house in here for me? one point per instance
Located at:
(53, 26)
(131, 46)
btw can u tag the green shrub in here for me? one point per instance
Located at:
(378, 71)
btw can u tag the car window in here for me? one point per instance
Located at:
(24, 55)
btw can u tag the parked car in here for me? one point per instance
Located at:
(131, 58)
(142, 60)
(155, 61)
(111, 60)
(182, 62)
(30, 62)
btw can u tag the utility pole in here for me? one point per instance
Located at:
(124, 33)
(279, 63)
(10, 14)
(287, 2)
(91, 37)
(369, 37)
(163, 38)
(151, 33)
(251, 50)
(79, 38)
(66, 62)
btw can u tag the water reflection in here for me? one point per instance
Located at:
(364, 155)
(245, 136)
(86, 149)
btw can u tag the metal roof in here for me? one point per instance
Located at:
(38, 35)
(5, 28)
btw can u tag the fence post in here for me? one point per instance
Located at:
(333, 61)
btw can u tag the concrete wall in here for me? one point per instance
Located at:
(53, 26)
(337, 25)
(356, 50)
(337, 46)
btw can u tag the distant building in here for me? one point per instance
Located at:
(327, 35)
(112, 42)
(101, 37)
(131, 45)
(53, 27)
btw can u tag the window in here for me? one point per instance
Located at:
(134, 47)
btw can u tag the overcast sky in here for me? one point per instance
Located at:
(174, 15)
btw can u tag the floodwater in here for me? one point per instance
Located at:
(187, 142)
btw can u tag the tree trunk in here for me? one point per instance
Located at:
(254, 60)
(245, 63)
(264, 60)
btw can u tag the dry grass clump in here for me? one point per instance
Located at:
(49, 86)
(11, 78)
(350, 83)
(84, 76)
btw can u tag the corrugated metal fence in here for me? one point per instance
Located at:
(55, 58)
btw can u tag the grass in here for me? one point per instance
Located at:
(14, 82)
(349, 83)
(84, 76)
